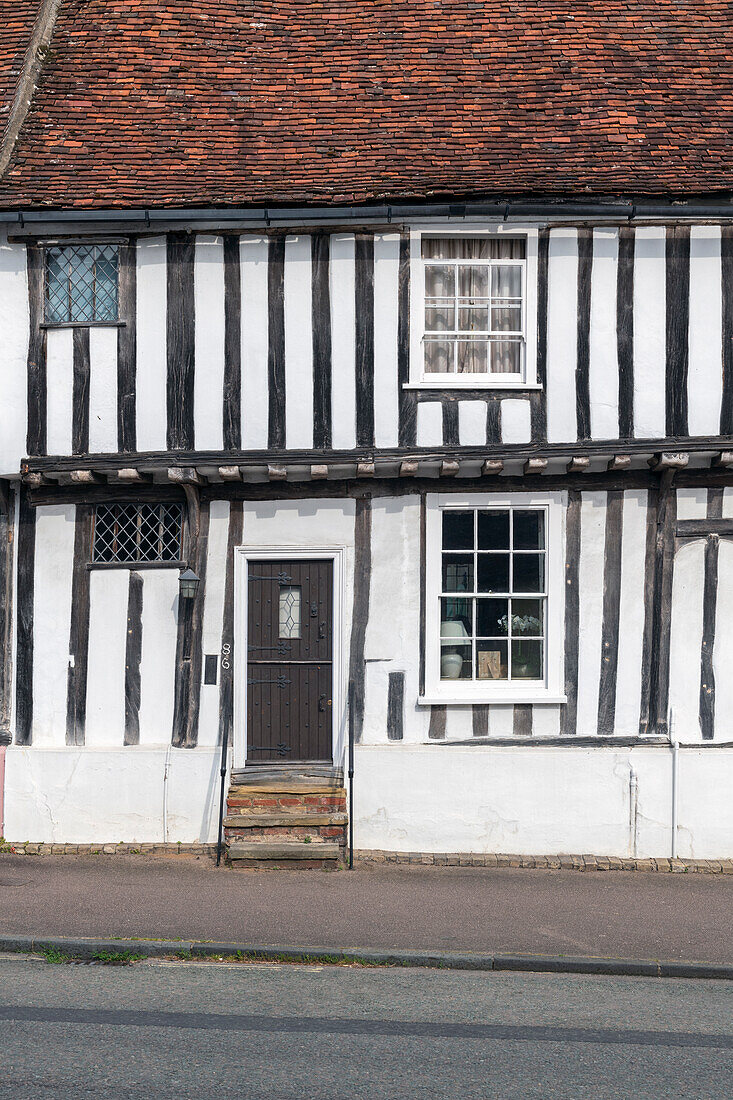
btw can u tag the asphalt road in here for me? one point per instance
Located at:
(622, 914)
(267, 1032)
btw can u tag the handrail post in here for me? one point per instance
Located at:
(351, 776)
(224, 748)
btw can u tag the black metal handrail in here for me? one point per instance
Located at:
(351, 776)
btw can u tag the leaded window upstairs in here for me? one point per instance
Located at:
(81, 284)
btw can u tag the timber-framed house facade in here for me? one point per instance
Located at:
(347, 392)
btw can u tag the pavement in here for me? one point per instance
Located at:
(269, 1032)
(377, 907)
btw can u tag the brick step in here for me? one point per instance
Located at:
(267, 821)
(279, 784)
(285, 850)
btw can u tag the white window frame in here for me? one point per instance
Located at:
(419, 379)
(439, 691)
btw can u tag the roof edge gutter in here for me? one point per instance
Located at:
(283, 216)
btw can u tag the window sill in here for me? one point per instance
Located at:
(536, 698)
(82, 324)
(473, 383)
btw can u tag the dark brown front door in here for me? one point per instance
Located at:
(289, 661)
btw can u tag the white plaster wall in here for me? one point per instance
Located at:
(650, 293)
(631, 613)
(429, 424)
(562, 335)
(392, 642)
(86, 796)
(516, 421)
(603, 368)
(472, 423)
(213, 619)
(108, 591)
(342, 274)
(386, 276)
(152, 342)
(60, 390)
(592, 544)
(298, 343)
(54, 560)
(705, 370)
(14, 326)
(541, 800)
(158, 655)
(686, 639)
(208, 282)
(723, 647)
(254, 325)
(102, 390)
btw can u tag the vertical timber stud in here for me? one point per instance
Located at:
(436, 728)
(80, 392)
(709, 615)
(24, 630)
(522, 720)
(364, 281)
(276, 343)
(396, 706)
(678, 318)
(232, 403)
(647, 655)
(664, 547)
(569, 710)
(493, 420)
(37, 380)
(226, 690)
(611, 611)
(187, 688)
(7, 509)
(360, 613)
(180, 344)
(480, 719)
(450, 422)
(582, 368)
(539, 405)
(625, 331)
(76, 692)
(321, 313)
(407, 399)
(726, 411)
(127, 350)
(133, 657)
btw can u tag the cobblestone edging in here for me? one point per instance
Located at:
(553, 863)
(425, 859)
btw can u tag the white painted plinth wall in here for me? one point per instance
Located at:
(541, 800)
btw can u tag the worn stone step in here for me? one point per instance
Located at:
(265, 821)
(279, 785)
(255, 775)
(287, 849)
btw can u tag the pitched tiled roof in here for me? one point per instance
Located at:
(241, 102)
(16, 23)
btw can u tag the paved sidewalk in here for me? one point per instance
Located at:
(625, 915)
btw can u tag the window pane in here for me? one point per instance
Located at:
(527, 660)
(506, 282)
(440, 281)
(506, 319)
(456, 618)
(458, 572)
(438, 248)
(506, 356)
(492, 618)
(137, 533)
(457, 530)
(473, 281)
(106, 284)
(472, 356)
(455, 662)
(472, 248)
(440, 317)
(507, 248)
(493, 530)
(529, 530)
(289, 611)
(491, 661)
(82, 284)
(493, 572)
(57, 286)
(529, 573)
(528, 618)
(439, 356)
(473, 319)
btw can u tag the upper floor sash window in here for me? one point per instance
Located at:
(474, 305)
(81, 284)
(474, 310)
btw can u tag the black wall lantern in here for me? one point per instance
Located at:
(188, 585)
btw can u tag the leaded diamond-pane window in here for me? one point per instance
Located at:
(81, 283)
(128, 534)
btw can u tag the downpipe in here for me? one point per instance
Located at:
(633, 813)
(351, 777)
(675, 746)
(166, 773)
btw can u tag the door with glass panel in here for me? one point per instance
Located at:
(493, 609)
(289, 661)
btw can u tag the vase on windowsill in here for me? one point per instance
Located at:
(450, 666)
(451, 661)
